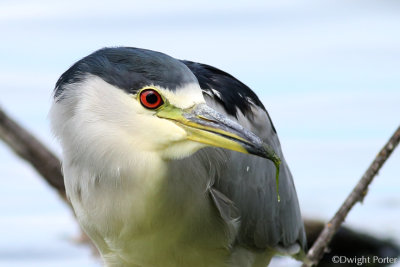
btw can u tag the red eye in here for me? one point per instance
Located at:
(151, 99)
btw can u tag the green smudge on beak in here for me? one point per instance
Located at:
(204, 125)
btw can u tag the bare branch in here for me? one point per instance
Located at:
(33, 151)
(359, 192)
(25, 145)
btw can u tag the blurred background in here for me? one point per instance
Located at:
(327, 71)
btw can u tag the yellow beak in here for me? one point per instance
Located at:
(204, 125)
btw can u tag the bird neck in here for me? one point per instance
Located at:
(144, 198)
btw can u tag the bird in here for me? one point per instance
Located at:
(173, 163)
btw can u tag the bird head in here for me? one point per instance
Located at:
(141, 100)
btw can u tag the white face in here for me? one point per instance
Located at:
(95, 117)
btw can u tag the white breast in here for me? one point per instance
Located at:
(141, 220)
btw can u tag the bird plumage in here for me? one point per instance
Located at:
(213, 207)
(250, 185)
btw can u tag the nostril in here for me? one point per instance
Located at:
(206, 119)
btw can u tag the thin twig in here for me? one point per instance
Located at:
(360, 190)
(33, 151)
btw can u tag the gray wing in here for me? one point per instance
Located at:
(249, 181)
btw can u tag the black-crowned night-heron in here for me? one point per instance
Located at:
(155, 165)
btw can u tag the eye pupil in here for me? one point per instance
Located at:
(151, 99)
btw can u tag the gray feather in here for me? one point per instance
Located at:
(249, 182)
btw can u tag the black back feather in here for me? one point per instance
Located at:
(225, 89)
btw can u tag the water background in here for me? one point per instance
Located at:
(328, 73)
